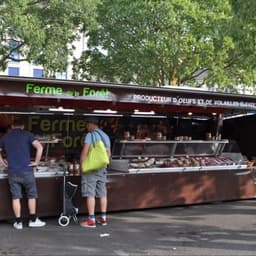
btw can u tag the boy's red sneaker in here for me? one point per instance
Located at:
(89, 223)
(102, 220)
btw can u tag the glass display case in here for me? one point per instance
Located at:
(140, 156)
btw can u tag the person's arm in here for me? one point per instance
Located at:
(2, 160)
(84, 152)
(39, 151)
(108, 147)
(109, 152)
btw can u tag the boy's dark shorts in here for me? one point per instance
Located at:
(24, 180)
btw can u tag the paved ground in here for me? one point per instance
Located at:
(213, 229)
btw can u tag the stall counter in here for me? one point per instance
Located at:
(128, 191)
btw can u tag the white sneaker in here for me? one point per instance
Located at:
(18, 225)
(36, 224)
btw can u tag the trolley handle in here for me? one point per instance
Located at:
(64, 168)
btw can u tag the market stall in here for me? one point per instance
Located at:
(170, 146)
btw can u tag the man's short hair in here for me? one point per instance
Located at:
(18, 121)
(92, 119)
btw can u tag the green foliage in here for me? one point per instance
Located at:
(43, 31)
(243, 32)
(175, 42)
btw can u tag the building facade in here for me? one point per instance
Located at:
(27, 69)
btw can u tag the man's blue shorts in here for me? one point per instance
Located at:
(22, 180)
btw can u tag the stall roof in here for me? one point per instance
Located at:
(38, 93)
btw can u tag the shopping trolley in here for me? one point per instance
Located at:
(69, 209)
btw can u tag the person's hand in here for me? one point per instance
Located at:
(5, 164)
(34, 164)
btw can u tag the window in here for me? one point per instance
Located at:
(38, 72)
(15, 55)
(12, 71)
(61, 75)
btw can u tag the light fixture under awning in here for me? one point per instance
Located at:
(137, 112)
(148, 116)
(239, 115)
(61, 109)
(107, 111)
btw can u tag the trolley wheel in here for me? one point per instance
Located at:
(63, 220)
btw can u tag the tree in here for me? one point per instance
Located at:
(160, 42)
(43, 31)
(243, 58)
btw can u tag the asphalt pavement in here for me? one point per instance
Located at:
(226, 228)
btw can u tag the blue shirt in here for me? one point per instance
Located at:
(17, 145)
(97, 135)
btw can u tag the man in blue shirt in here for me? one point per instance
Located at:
(17, 144)
(93, 185)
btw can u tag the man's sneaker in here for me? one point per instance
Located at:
(18, 225)
(36, 224)
(89, 223)
(102, 220)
